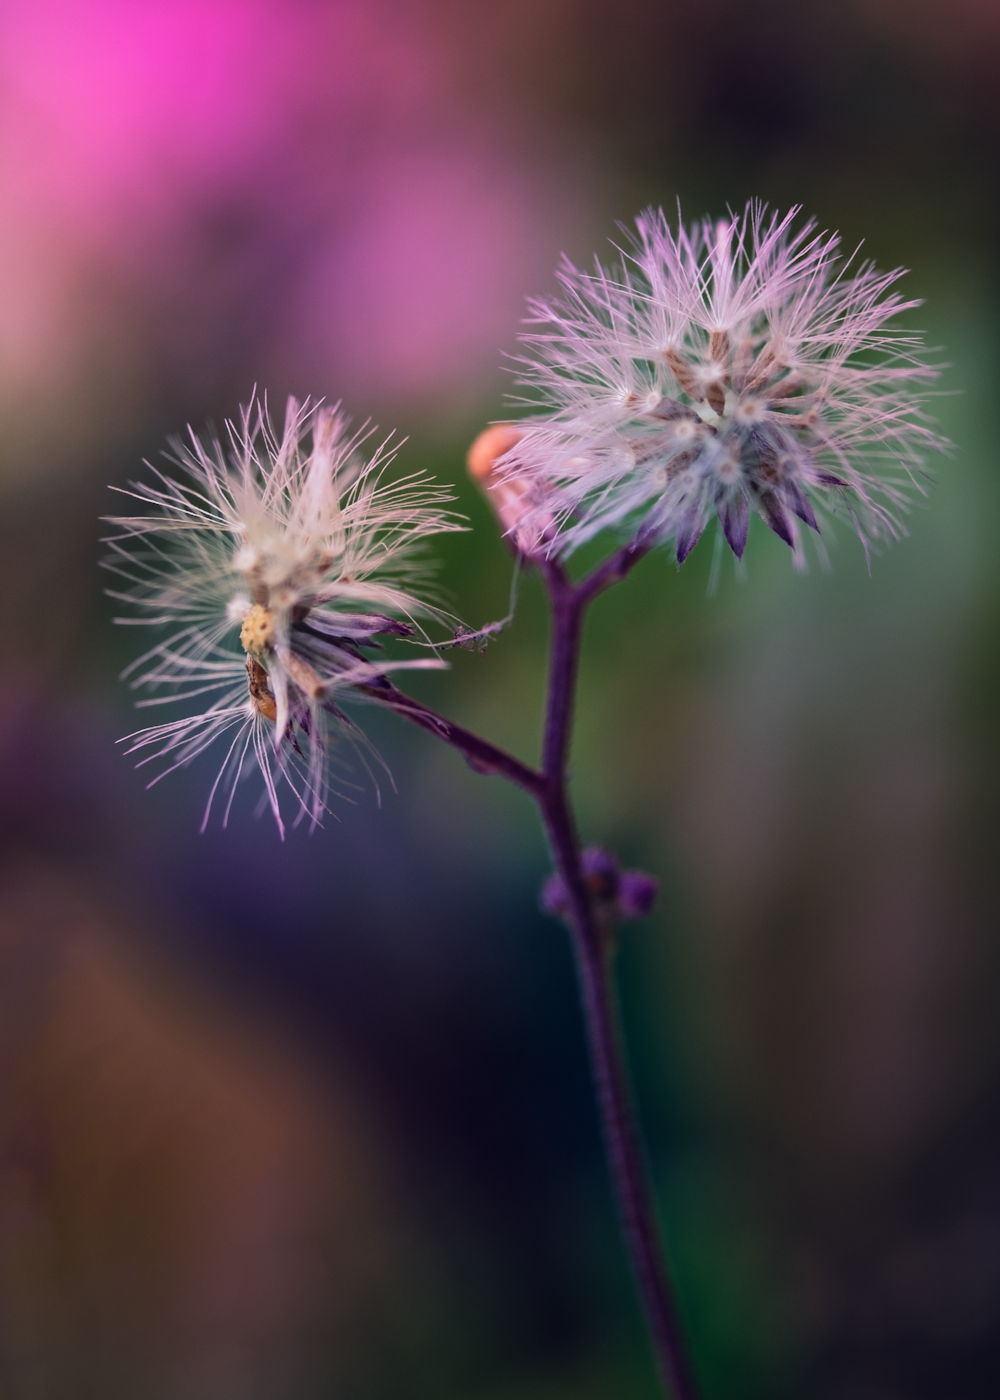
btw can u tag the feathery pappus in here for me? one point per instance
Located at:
(275, 562)
(722, 371)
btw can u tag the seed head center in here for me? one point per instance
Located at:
(257, 632)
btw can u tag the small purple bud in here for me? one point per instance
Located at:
(554, 897)
(636, 894)
(600, 870)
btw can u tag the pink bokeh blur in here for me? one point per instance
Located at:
(385, 221)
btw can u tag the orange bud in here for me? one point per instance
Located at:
(489, 445)
(514, 497)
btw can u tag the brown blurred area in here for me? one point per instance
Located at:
(186, 1207)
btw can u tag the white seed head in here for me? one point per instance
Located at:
(744, 341)
(272, 560)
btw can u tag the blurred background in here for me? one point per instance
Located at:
(313, 1119)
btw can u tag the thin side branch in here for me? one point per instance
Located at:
(484, 757)
(613, 570)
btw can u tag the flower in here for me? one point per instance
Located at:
(722, 370)
(276, 562)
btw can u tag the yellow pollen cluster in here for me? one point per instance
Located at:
(257, 631)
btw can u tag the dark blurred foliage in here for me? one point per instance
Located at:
(314, 1118)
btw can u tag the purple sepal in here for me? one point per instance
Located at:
(828, 479)
(775, 517)
(637, 893)
(688, 534)
(734, 513)
(356, 626)
(672, 409)
(797, 500)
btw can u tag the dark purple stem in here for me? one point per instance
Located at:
(592, 950)
(593, 953)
